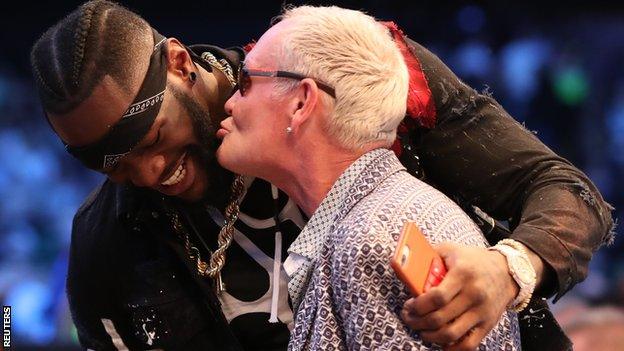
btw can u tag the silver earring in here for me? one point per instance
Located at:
(288, 130)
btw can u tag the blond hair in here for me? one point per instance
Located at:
(352, 52)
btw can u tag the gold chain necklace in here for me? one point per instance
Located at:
(212, 269)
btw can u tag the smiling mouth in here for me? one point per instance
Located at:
(178, 175)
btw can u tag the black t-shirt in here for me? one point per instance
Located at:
(248, 271)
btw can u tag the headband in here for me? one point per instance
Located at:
(134, 124)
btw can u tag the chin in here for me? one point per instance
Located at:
(198, 189)
(226, 160)
(195, 193)
(191, 197)
(212, 182)
(192, 186)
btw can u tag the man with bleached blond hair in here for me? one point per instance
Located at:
(325, 137)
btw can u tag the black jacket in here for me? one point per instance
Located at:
(126, 266)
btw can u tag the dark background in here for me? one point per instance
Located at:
(557, 68)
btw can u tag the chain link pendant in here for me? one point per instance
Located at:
(219, 284)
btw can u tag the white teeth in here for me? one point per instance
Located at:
(177, 176)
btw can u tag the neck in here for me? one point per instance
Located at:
(314, 173)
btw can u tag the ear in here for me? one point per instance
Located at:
(304, 103)
(179, 63)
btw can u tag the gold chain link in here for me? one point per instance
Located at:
(217, 258)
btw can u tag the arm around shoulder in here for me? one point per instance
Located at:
(478, 152)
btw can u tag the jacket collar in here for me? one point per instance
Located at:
(357, 181)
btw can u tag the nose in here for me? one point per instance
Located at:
(229, 104)
(146, 170)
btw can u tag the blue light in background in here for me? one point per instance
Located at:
(30, 300)
(473, 59)
(615, 129)
(521, 62)
(596, 284)
(471, 19)
(21, 241)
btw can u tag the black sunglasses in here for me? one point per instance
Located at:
(245, 74)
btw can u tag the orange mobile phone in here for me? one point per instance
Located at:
(415, 262)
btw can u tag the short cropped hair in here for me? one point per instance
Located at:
(352, 52)
(98, 38)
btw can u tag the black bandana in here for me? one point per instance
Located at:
(124, 135)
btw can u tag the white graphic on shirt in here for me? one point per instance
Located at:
(233, 307)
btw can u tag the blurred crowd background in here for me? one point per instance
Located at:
(558, 70)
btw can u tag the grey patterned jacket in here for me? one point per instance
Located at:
(351, 297)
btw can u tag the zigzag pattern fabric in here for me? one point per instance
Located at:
(353, 299)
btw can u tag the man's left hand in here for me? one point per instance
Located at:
(469, 301)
